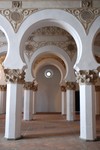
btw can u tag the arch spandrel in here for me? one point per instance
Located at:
(87, 61)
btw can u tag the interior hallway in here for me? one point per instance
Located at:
(49, 132)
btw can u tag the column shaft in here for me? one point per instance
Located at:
(87, 112)
(28, 104)
(63, 106)
(13, 111)
(70, 104)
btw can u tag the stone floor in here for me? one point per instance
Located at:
(49, 132)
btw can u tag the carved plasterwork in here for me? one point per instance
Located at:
(35, 88)
(63, 88)
(3, 87)
(85, 15)
(87, 3)
(16, 4)
(14, 75)
(66, 41)
(30, 86)
(16, 15)
(86, 76)
(70, 85)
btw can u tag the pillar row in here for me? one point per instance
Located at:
(70, 103)
(15, 80)
(86, 80)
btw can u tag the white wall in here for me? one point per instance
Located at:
(48, 98)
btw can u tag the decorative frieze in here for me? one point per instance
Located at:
(86, 76)
(3, 87)
(70, 85)
(86, 15)
(14, 75)
(63, 88)
(66, 41)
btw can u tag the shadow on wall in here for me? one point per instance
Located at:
(48, 97)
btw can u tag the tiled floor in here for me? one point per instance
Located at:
(49, 132)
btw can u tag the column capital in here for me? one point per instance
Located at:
(3, 87)
(63, 88)
(14, 75)
(30, 86)
(86, 76)
(71, 85)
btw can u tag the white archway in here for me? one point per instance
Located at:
(54, 17)
(94, 30)
(53, 62)
(51, 50)
(87, 52)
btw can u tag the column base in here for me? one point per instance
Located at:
(17, 138)
(88, 140)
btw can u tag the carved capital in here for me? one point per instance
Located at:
(71, 85)
(30, 86)
(3, 87)
(86, 76)
(14, 75)
(35, 88)
(63, 88)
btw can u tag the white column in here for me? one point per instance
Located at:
(34, 102)
(3, 101)
(63, 103)
(13, 111)
(87, 112)
(70, 104)
(63, 100)
(70, 101)
(28, 104)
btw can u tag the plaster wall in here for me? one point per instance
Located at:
(48, 98)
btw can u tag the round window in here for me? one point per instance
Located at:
(48, 73)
